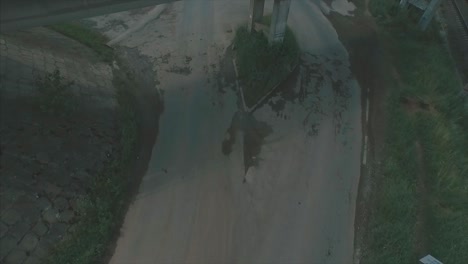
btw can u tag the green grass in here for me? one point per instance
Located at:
(394, 216)
(88, 37)
(103, 207)
(427, 73)
(260, 65)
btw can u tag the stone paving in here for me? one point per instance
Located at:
(28, 54)
(45, 160)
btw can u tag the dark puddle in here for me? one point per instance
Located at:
(231, 132)
(255, 133)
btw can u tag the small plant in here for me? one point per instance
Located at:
(55, 95)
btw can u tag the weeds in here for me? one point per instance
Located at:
(427, 73)
(261, 66)
(186, 70)
(102, 208)
(88, 37)
(55, 96)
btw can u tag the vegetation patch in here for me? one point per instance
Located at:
(103, 206)
(87, 37)
(428, 83)
(261, 66)
(186, 70)
(55, 95)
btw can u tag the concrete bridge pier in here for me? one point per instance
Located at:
(256, 13)
(279, 20)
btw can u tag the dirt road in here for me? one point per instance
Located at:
(197, 205)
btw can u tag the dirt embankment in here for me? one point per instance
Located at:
(149, 106)
(48, 157)
(367, 59)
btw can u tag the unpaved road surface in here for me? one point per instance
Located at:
(197, 205)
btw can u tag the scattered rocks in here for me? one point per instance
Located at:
(10, 217)
(52, 190)
(57, 231)
(31, 217)
(73, 204)
(42, 157)
(40, 228)
(50, 215)
(29, 242)
(19, 229)
(7, 243)
(61, 204)
(67, 216)
(3, 229)
(32, 260)
(43, 203)
(72, 229)
(41, 249)
(16, 256)
(83, 174)
(180, 70)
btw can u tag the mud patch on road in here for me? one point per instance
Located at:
(230, 137)
(255, 133)
(184, 70)
(164, 58)
(306, 87)
(227, 74)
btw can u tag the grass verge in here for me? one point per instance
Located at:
(89, 38)
(261, 66)
(427, 75)
(102, 208)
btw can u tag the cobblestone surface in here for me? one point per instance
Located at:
(26, 55)
(46, 160)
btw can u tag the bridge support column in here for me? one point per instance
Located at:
(279, 19)
(256, 13)
(404, 3)
(428, 14)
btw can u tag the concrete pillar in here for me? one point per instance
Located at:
(279, 19)
(428, 14)
(256, 12)
(404, 3)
